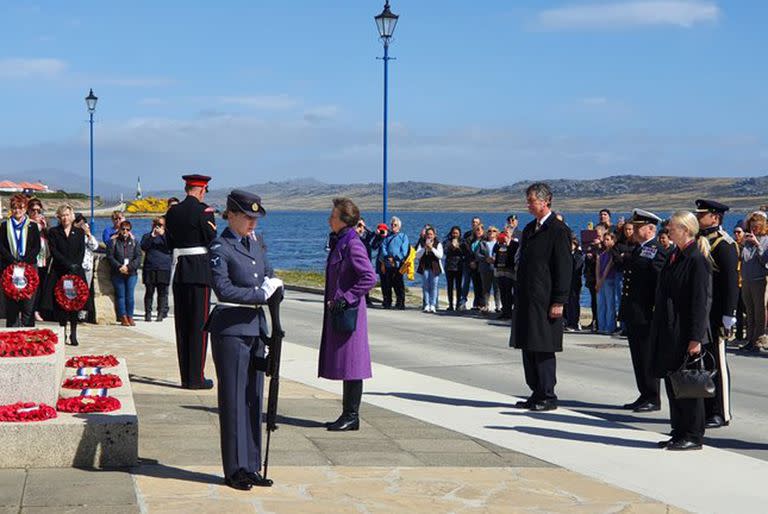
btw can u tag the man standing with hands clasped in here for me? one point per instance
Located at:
(544, 282)
(725, 295)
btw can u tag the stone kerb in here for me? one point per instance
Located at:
(103, 440)
(32, 379)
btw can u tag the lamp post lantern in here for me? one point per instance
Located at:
(90, 102)
(385, 23)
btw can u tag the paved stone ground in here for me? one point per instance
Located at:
(393, 464)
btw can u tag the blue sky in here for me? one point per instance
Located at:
(482, 93)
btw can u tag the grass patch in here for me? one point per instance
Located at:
(304, 278)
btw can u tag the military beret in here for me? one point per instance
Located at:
(196, 180)
(643, 217)
(245, 202)
(703, 206)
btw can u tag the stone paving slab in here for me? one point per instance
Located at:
(393, 464)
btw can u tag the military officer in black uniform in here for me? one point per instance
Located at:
(190, 228)
(642, 269)
(725, 296)
(243, 282)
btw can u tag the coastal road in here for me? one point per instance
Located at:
(594, 372)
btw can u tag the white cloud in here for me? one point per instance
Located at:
(21, 68)
(266, 102)
(638, 13)
(321, 113)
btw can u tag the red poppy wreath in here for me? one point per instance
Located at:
(88, 404)
(27, 343)
(26, 411)
(106, 381)
(92, 361)
(21, 286)
(72, 298)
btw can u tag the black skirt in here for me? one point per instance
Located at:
(156, 277)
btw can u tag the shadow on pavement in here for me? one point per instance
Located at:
(622, 418)
(461, 402)
(576, 404)
(281, 420)
(574, 436)
(576, 420)
(733, 444)
(141, 379)
(155, 469)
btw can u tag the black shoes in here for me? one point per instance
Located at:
(206, 384)
(347, 422)
(537, 406)
(633, 405)
(544, 406)
(647, 407)
(148, 318)
(257, 480)
(664, 444)
(239, 480)
(681, 445)
(73, 341)
(716, 421)
(749, 348)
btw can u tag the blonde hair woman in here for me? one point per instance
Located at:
(754, 256)
(681, 323)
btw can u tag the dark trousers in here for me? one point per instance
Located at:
(573, 308)
(162, 299)
(240, 392)
(191, 303)
(740, 313)
(720, 405)
(477, 289)
(540, 374)
(453, 278)
(593, 305)
(506, 290)
(392, 279)
(640, 349)
(686, 416)
(352, 396)
(20, 314)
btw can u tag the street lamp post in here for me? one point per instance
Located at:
(385, 23)
(90, 101)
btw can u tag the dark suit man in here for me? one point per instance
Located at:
(190, 228)
(242, 280)
(725, 296)
(641, 272)
(544, 281)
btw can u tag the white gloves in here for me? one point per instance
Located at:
(729, 322)
(270, 285)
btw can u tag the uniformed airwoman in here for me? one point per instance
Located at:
(243, 281)
(725, 295)
(641, 272)
(190, 228)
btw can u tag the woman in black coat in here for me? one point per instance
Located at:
(681, 324)
(67, 245)
(156, 272)
(19, 242)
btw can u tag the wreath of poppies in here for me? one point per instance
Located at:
(92, 361)
(26, 411)
(88, 404)
(27, 343)
(81, 290)
(20, 293)
(107, 381)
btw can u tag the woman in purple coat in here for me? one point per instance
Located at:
(344, 355)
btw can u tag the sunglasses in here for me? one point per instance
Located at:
(35, 210)
(125, 230)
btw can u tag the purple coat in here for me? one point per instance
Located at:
(349, 276)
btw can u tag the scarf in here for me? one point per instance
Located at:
(17, 244)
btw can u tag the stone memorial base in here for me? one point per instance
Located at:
(99, 440)
(32, 379)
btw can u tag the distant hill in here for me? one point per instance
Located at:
(621, 192)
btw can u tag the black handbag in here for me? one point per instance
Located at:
(343, 317)
(692, 380)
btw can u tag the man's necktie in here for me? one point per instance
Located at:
(246, 243)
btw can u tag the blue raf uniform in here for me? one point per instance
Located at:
(243, 281)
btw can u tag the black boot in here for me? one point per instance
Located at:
(162, 305)
(73, 334)
(350, 418)
(147, 309)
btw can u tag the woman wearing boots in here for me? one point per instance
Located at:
(156, 272)
(344, 354)
(67, 245)
(19, 242)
